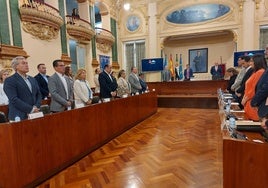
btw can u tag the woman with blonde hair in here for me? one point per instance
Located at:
(83, 94)
(123, 86)
(3, 97)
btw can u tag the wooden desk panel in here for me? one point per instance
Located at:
(244, 164)
(33, 150)
(188, 87)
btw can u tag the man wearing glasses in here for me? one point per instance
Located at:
(60, 89)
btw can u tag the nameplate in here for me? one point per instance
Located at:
(80, 105)
(35, 115)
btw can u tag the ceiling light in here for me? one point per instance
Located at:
(126, 6)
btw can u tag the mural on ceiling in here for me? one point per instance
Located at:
(197, 13)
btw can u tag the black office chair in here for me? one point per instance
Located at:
(3, 118)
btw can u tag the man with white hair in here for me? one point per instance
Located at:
(22, 91)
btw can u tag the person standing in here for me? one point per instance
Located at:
(216, 72)
(22, 91)
(188, 73)
(96, 80)
(143, 83)
(123, 86)
(241, 90)
(232, 73)
(258, 64)
(107, 87)
(241, 73)
(82, 92)
(3, 97)
(134, 81)
(42, 80)
(60, 88)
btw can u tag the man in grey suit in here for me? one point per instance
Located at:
(134, 81)
(60, 89)
(22, 91)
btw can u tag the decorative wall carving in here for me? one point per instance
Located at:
(41, 20)
(7, 53)
(104, 40)
(40, 31)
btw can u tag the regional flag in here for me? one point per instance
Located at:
(171, 66)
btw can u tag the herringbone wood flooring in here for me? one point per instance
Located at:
(175, 148)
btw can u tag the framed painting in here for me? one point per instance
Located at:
(198, 60)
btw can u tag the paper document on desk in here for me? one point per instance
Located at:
(247, 122)
(237, 111)
(234, 103)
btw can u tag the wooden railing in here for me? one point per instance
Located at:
(40, 6)
(74, 20)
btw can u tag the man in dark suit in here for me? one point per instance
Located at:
(22, 91)
(188, 73)
(60, 88)
(260, 98)
(42, 80)
(216, 72)
(241, 90)
(107, 85)
(144, 86)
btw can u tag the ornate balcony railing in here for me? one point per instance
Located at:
(79, 29)
(40, 19)
(104, 39)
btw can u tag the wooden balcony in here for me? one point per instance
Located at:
(104, 39)
(40, 19)
(79, 29)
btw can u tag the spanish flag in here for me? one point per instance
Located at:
(171, 66)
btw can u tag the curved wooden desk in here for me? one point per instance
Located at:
(33, 150)
(188, 94)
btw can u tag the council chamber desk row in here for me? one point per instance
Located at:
(33, 150)
(245, 148)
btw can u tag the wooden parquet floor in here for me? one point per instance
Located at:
(175, 148)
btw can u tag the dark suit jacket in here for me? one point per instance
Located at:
(143, 85)
(261, 95)
(106, 85)
(42, 85)
(216, 74)
(190, 74)
(241, 89)
(21, 99)
(230, 83)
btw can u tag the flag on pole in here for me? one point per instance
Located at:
(180, 68)
(165, 62)
(171, 67)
